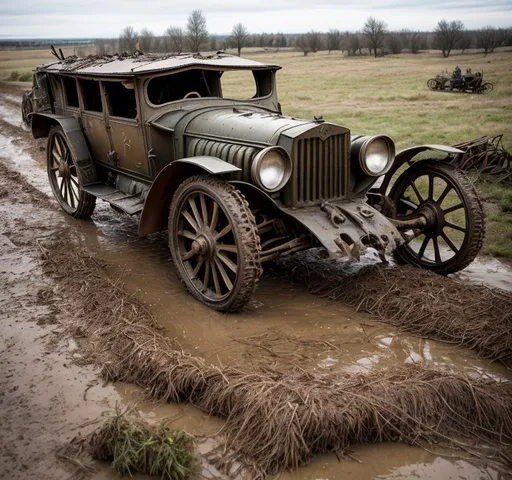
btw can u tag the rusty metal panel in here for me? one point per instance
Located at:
(96, 133)
(128, 145)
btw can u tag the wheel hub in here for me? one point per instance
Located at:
(204, 244)
(433, 214)
(63, 169)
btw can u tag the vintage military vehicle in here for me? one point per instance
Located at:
(234, 181)
(457, 82)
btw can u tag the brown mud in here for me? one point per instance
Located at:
(283, 327)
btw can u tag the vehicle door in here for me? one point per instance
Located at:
(94, 120)
(124, 126)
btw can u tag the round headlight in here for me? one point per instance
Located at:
(377, 155)
(271, 169)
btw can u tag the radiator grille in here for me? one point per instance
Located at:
(321, 169)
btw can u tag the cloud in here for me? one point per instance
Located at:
(95, 18)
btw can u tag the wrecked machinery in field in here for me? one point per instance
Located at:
(456, 82)
(487, 157)
(235, 181)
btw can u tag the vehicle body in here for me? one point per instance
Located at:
(457, 82)
(235, 182)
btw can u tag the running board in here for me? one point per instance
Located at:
(128, 203)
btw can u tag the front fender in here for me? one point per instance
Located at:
(406, 156)
(156, 207)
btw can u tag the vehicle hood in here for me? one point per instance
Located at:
(247, 125)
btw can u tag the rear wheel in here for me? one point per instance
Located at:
(26, 108)
(65, 178)
(455, 221)
(214, 242)
(433, 84)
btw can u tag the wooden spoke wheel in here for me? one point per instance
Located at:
(455, 224)
(486, 88)
(433, 84)
(26, 108)
(65, 177)
(214, 242)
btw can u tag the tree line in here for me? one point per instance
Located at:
(374, 38)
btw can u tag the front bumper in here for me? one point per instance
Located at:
(349, 227)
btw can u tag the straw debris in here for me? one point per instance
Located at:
(276, 420)
(417, 301)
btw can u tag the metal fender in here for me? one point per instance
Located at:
(406, 156)
(43, 122)
(156, 207)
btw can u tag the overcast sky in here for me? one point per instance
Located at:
(106, 18)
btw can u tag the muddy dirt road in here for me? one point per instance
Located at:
(47, 396)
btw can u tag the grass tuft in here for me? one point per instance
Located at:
(506, 202)
(13, 77)
(134, 446)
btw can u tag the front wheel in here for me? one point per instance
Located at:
(214, 242)
(454, 229)
(487, 88)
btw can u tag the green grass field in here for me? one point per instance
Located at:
(389, 95)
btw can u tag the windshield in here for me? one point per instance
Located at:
(198, 83)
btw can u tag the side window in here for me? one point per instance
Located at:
(189, 83)
(91, 95)
(71, 91)
(121, 99)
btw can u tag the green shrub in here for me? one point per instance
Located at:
(506, 202)
(25, 77)
(13, 77)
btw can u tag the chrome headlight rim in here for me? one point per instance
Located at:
(257, 164)
(364, 150)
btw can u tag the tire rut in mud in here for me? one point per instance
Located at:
(417, 301)
(277, 420)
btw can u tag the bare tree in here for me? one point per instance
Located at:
(394, 42)
(308, 42)
(128, 40)
(334, 40)
(447, 35)
(213, 43)
(465, 41)
(489, 38)
(146, 38)
(302, 43)
(411, 40)
(375, 32)
(100, 47)
(196, 30)
(314, 40)
(239, 36)
(352, 43)
(174, 39)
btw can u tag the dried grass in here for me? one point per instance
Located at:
(277, 421)
(417, 301)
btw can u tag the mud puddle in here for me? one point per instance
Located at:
(284, 327)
